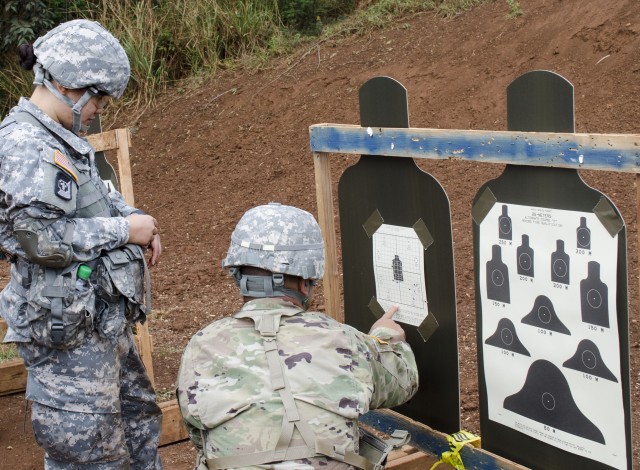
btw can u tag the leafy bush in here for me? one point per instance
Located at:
(308, 16)
(22, 21)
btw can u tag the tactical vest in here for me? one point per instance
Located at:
(374, 450)
(60, 314)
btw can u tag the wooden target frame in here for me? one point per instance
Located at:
(606, 152)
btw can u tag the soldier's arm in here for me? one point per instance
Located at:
(39, 198)
(58, 241)
(121, 206)
(187, 399)
(392, 362)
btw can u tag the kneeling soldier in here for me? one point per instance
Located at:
(276, 386)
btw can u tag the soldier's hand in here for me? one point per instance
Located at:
(156, 250)
(385, 321)
(142, 229)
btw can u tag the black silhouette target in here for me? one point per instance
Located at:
(506, 337)
(504, 224)
(560, 264)
(525, 254)
(588, 359)
(497, 277)
(543, 315)
(583, 235)
(396, 265)
(546, 398)
(594, 297)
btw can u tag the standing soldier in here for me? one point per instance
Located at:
(78, 269)
(276, 386)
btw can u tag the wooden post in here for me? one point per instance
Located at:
(638, 216)
(123, 141)
(173, 429)
(13, 377)
(324, 195)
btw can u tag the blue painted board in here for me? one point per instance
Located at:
(612, 152)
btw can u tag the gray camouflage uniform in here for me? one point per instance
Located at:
(335, 373)
(93, 404)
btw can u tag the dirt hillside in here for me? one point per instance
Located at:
(204, 156)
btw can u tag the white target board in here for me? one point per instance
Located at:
(398, 264)
(549, 332)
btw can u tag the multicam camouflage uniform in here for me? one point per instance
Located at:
(335, 374)
(93, 404)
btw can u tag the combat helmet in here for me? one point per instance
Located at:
(281, 239)
(81, 54)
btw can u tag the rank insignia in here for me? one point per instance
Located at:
(63, 186)
(61, 160)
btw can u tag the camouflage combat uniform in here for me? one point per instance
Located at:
(335, 374)
(93, 404)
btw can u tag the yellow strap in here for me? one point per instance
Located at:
(456, 442)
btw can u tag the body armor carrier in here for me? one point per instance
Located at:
(59, 313)
(375, 449)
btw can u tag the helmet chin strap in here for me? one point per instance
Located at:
(252, 285)
(43, 78)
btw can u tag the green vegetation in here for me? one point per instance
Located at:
(515, 9)
(8, 351)
(165, 394)
(171, 40)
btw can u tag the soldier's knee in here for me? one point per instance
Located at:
(81, 438)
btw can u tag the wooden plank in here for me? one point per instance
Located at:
(173, 429)
(123, 141)
(416, 461)
(124, 165)
(13, 377)
(324, 195)
(432, 442)
(638, 212)
(104, 141)
(611, 152)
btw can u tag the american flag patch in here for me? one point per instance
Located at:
(63, 162)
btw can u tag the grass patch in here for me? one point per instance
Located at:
(165, 394)
(8, 351)
(515, 9)
(14, 83)
(165, 351)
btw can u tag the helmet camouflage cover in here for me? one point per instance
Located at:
(281, 239)
(80, 54)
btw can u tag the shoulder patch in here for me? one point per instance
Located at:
(61, 160)
(63, 186)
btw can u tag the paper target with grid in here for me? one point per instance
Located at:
(398, 265)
